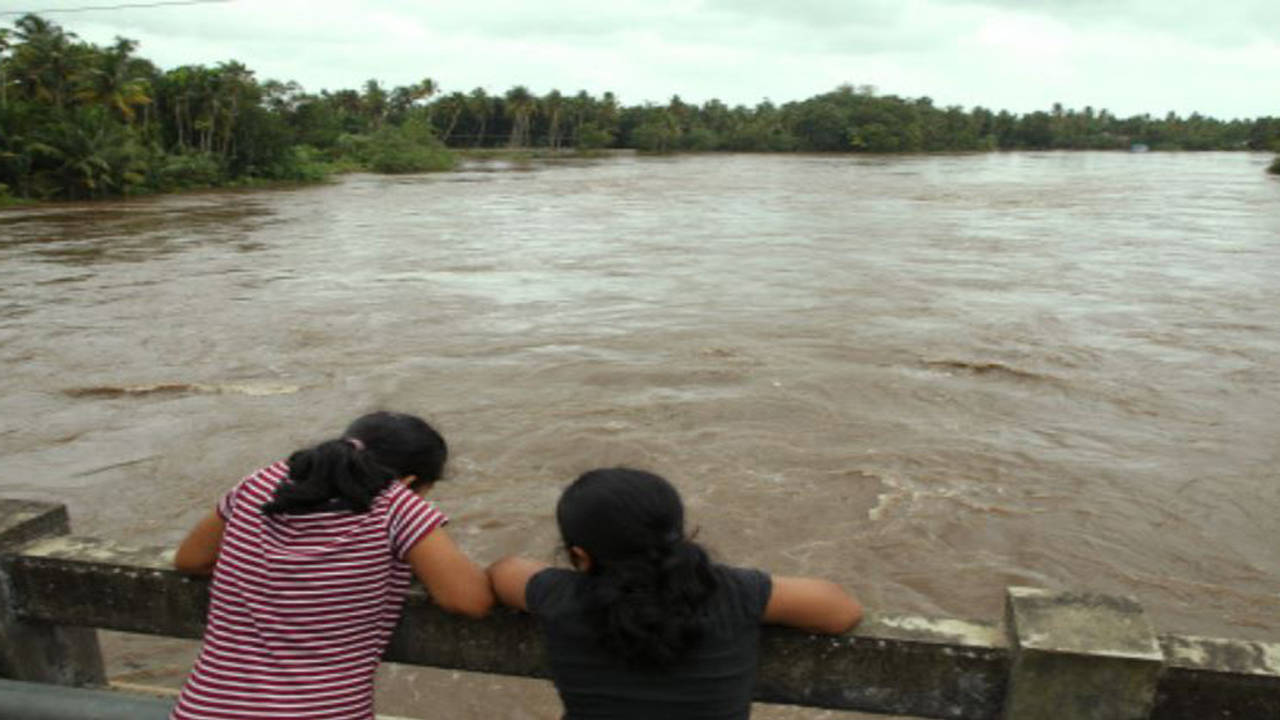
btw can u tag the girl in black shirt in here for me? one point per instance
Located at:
(645, 625)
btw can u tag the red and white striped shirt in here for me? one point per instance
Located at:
(302, 606)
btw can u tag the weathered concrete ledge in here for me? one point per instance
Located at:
(892, 664)
(902, 664)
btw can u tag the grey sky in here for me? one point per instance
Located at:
(1129, 56)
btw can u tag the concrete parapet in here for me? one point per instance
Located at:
(895, 664)
(1059, 656)
(106, 585)
(31, 649)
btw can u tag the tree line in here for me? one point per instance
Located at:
(78, 120)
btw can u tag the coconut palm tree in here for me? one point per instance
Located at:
(238, 89)
(521, 105)
(87, 156)
(553, 105)
(46, 61)
(374, 103)
(453, 105)
(479, 106)
(114, 80)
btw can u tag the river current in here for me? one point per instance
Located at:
(926, 377)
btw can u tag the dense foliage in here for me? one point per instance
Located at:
(82, 121)
(847, 119)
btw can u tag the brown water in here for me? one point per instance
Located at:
(926, 377)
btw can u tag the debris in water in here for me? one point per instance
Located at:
(116, 391)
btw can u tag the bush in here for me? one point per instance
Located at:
(701, 139)
(410, 148)
(655, 136)
(351, 148)
(1275, 166)
(593, 137)
(301, 163)
(187, 170)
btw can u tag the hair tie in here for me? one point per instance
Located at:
(356, 443)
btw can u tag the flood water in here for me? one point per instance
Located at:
(928, 378)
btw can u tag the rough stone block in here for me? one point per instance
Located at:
(22, 521)
(1080, 656)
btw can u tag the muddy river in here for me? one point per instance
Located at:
(928, 378)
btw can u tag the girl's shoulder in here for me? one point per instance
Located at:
(397, 498)
(554, 590)
(270, 475)
(742, 591)
(254, 489)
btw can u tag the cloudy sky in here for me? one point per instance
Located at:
(1129, 56)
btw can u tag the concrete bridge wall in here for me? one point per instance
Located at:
(1054, 656)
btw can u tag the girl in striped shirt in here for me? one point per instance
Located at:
(311, 559)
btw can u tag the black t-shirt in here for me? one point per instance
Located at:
(714, 681)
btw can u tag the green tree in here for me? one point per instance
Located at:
(88, 157)
(658, 133)
(452, 107)
(115, 79)
(553, 105)
(521, 105)
(480, 107)
(45, 61)
(374, 104)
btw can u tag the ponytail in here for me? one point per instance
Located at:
(647, 585)
(648, 611)
(348, 473)
(334, 475)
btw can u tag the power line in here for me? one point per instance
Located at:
(90, 8)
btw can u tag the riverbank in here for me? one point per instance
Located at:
(321, 172)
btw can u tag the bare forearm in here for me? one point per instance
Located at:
(510, 577)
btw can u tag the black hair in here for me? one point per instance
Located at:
(347, 473)
(648, 584)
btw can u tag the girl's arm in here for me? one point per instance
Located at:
(455, 582)
(510, 576)
(198, 552)
(811, 604)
